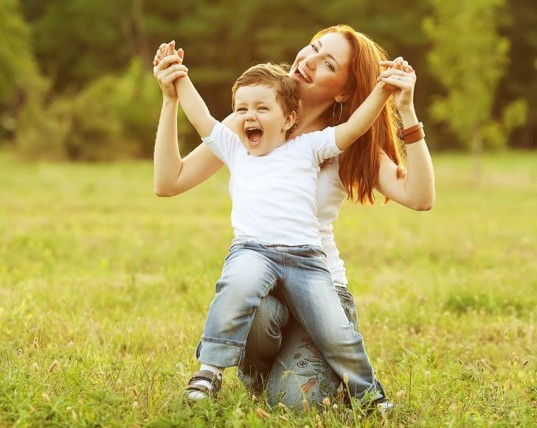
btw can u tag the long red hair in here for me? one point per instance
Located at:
(359, 164)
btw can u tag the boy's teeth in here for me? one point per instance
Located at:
(254, 134)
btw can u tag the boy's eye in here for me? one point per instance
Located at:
(263, 108)
(240, 110)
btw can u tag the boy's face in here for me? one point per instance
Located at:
(261, 123)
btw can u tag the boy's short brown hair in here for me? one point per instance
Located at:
(274, 76)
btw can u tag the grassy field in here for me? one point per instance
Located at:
(104, 288)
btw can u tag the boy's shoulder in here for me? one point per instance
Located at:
(314, 136)
(220, 130)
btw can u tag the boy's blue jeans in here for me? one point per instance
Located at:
(250, 272)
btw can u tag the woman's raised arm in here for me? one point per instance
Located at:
(416, 189)
(173, 174)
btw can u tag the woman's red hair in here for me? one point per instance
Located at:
(359, 164)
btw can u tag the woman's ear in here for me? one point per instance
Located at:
(290, 120)
(342, 97)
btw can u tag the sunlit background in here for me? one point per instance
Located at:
(79, 71)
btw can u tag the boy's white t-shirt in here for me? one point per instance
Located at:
(274, 197)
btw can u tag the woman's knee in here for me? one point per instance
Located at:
(348, 304)
(270, 318)
(263, 342)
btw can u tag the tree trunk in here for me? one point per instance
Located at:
(477, 152)
(140, 38)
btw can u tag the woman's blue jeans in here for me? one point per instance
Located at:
(282, 358)
(251, 271)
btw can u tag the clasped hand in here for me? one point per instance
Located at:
(168, 67)
(401, 77)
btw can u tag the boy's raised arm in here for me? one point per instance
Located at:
(363, 117)
(194, 107)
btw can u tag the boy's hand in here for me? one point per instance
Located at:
(168, 67)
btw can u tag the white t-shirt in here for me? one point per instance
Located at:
(330, 195)
(274, 197)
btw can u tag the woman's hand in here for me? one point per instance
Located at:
(400, 75)
(163, 50)
(168, 66)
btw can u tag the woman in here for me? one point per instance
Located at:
(332, 85)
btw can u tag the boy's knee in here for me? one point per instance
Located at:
(238, 288)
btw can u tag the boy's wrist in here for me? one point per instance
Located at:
(383, 89)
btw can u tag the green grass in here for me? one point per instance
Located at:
(104, 289)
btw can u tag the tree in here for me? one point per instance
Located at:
(519, 80)
(469, 57)
(19, 77)
(77, 41)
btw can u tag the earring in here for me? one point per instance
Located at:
(340, 112)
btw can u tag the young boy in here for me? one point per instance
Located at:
(277, 242)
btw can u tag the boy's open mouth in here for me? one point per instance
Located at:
(254, 135)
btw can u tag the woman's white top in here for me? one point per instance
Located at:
(330, 196)
(274, 197)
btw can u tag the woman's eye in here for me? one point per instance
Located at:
(330, 66)
(314, 47)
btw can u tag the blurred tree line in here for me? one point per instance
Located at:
(76, 75)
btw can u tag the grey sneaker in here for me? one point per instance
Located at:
(203, 385)
(383, 406)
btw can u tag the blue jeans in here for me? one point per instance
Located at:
(282, 358)
(251, 271)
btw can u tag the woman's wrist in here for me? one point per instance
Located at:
(412, 134)
(167, 100)
(408, 116)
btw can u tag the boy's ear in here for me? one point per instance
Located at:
(290, 120)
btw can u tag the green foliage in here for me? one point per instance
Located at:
(469, 58)
(113, 118)
(137, 99)
(79, 42)
(519, 81)
(19, 76)
(514, 116)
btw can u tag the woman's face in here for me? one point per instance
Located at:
(322, 68)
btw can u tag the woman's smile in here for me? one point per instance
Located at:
(302, 75)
